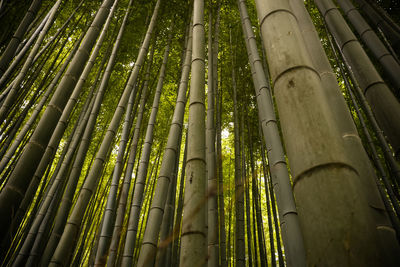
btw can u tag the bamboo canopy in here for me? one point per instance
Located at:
(199, 133)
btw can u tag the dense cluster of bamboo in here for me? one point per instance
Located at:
(191, 137)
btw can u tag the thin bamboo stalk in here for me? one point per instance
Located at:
(291, 233)
(13, 192)
(150, 238)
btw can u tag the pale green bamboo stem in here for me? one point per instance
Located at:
(325, 182)
(291, 232)
(193, 240)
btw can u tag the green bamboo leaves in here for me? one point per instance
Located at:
(101, 178)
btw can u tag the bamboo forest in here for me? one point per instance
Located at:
(200, 133)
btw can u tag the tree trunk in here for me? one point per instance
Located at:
(239, 192)
(220, 176)
(108, 219)
(343, 120)
(257, 214)
(193, 240)
(269, 203)
(163, 257)
(379, 22)
(291, 232)
(13, 192)
(82, 145)
(179, 208)
(143, 166)
(228, 256)
(57, 135)
(391, 192)
(150, 238)
(12, 46)
(67, 241)
(325, 182)
(21, 54)
(378, 49)
(385, 106)
(5, 107)
(123, 199)
(35, 113)
(246, 185)
(212, 186)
